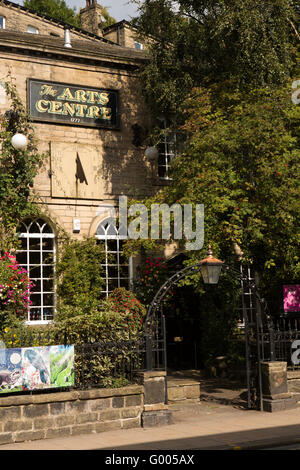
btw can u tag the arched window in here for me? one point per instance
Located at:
(37, 256)
(117, 268)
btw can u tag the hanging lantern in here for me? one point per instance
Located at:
(210, 268)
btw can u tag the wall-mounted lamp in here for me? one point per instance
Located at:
(19, 141)
(151, 153)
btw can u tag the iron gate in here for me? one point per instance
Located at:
(255, 319)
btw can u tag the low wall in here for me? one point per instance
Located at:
(293, 381)
(42, 416)
(60, 414)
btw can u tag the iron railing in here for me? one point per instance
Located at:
(106, 363)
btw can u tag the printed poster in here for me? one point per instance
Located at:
(36, 368)
(291, 298)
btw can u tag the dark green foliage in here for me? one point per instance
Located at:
(198, 42)
(56, 9)
(80, 276)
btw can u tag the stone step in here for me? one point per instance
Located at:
(179, 390)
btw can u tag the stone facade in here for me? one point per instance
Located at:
(122, 33)
(18, 19)
(114, 165)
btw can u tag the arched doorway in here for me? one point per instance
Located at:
(156, 331)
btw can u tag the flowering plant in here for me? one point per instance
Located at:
(127, 306)
(151, 275)
(15, 287)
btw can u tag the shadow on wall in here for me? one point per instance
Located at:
(125, 169)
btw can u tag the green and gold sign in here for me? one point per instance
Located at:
(73, 104)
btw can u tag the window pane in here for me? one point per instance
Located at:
(34, 244)
(23, 244)
(48, 300)
(47, 243)
(35, 300)
(47, 257)
(34, 257)
(48, 313)
(112, 245)
(34, 272)
(35, 314)
(22, 257)
(124, 283)
(48, 271)
(48, 285)
(113, 271)
(124, 271)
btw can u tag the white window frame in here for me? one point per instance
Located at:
(41, 278)
(138, 46)
(4, 20)
(36, 31)
(165, 155)
(105, 232)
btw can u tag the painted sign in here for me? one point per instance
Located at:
(36, 368)
(75, 105)
(291, 298)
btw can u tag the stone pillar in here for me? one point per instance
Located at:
(276, 396)
(155, 411)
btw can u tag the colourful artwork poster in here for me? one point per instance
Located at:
(35, 368)
(10, 370)
(62, 366)
(291, 298)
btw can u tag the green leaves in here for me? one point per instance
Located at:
(17, 168)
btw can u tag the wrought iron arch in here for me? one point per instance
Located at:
(254, 329)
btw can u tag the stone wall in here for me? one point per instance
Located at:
(42, 416)
(17, 19)
(59, 414)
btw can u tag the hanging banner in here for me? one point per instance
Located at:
(36, 368)
(74, 105)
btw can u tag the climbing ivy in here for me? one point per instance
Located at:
(18, 168)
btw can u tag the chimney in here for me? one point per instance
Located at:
(91, 17)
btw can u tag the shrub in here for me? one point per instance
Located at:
(15, 288)
(129, 309)
(79, 276)
(151, 275)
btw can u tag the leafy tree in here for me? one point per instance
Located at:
(200, 42)
(107, 19)
(242, 163)
(56, 9)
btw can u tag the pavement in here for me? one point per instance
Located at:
(220, 420)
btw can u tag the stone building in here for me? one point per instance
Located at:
(82, 91)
